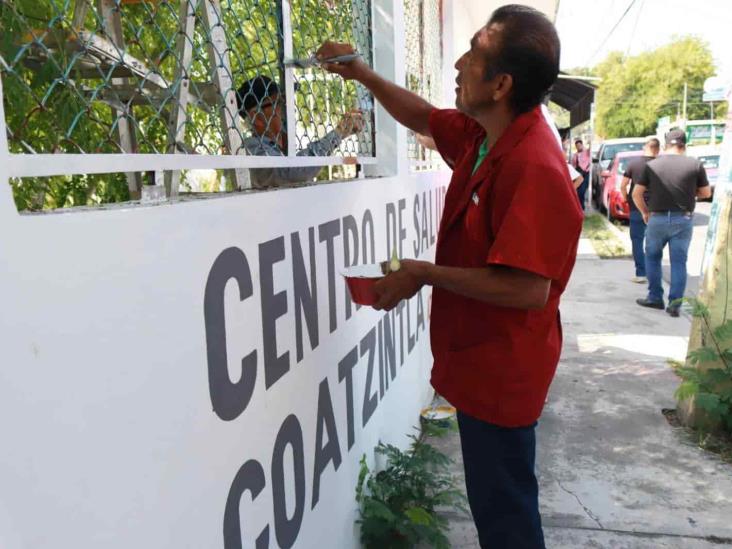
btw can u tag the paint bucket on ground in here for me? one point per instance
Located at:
(442, 415)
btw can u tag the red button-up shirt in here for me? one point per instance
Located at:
(519, 210)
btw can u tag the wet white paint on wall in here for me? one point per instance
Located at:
(194, 375)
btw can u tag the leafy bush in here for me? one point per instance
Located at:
(399, 505)
(711, 387)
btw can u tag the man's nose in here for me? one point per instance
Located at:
(459, 62)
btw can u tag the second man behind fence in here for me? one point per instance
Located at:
(261, 105)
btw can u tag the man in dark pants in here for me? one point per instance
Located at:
(582, 162)
(673, 181)
(637, 226)
(506, 248)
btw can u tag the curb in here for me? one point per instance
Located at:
(620, 235)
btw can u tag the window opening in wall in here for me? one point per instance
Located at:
(195, 78)
(423, 29)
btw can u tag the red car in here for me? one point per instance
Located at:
(612, 198)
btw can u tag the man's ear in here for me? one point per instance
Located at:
(504, 85)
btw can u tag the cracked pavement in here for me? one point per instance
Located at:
(612, 472)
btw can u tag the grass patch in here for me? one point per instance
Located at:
(606, 243)
(719, 444)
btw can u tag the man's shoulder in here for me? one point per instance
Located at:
(538, 149)
(534, 160)
(675, 161)
(639, 163)
(454, 117)
(261, 146)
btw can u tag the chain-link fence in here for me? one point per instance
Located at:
(423, 30)
(177, 77)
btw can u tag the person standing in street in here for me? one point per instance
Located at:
(581, 161)
(673, 181)
(632, 175)
(506, 247)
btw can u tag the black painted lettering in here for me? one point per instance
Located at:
(432, 221)
(383, 381)
(249, 478)
(420, 314)
(345, 371)
(306, 295)
(390, 343)
(402, 228)
(274, 305)
(417, 240)
(350, 258)
(367, 228)
(400, 313)
(229, 399)
(410, 338)
(327, 233)
(391, 228)
(332, 449)
(425, 232)
(368, 346)
(287, 529)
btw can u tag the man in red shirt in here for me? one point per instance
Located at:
(506, 248)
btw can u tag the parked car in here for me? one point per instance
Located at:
(612, 199)
(709, 157)
(601, 162)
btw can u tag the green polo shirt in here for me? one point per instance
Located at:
(482, 153)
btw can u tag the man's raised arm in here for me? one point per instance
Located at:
(406, 107)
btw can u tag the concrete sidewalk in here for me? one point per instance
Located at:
(613, 473)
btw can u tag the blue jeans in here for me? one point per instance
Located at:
(637, 235)
(674, 229)
(502, 489)
(582, 189)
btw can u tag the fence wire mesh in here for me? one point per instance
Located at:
(423, 30)
(174, 76)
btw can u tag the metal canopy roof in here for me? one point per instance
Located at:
(574, 95)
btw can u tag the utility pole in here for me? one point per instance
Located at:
(686, 97)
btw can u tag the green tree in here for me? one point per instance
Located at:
(636, 91)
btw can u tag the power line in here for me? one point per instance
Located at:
(602, 44)
(635, 27)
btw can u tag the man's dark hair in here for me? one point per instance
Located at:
(578, 141)
(253, 92)
(653, 143)
(529, 51)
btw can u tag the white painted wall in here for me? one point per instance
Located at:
(109, 438)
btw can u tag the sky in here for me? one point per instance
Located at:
(584, 26)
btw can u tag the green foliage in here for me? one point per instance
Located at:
(636, 91)
(57, 101)
(399, 505)
(604, 240)
(709, 380)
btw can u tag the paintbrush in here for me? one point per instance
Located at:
(313, 61)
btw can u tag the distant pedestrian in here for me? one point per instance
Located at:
(581, 162)
(632, 175)
(575, 176)
(674, 181)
